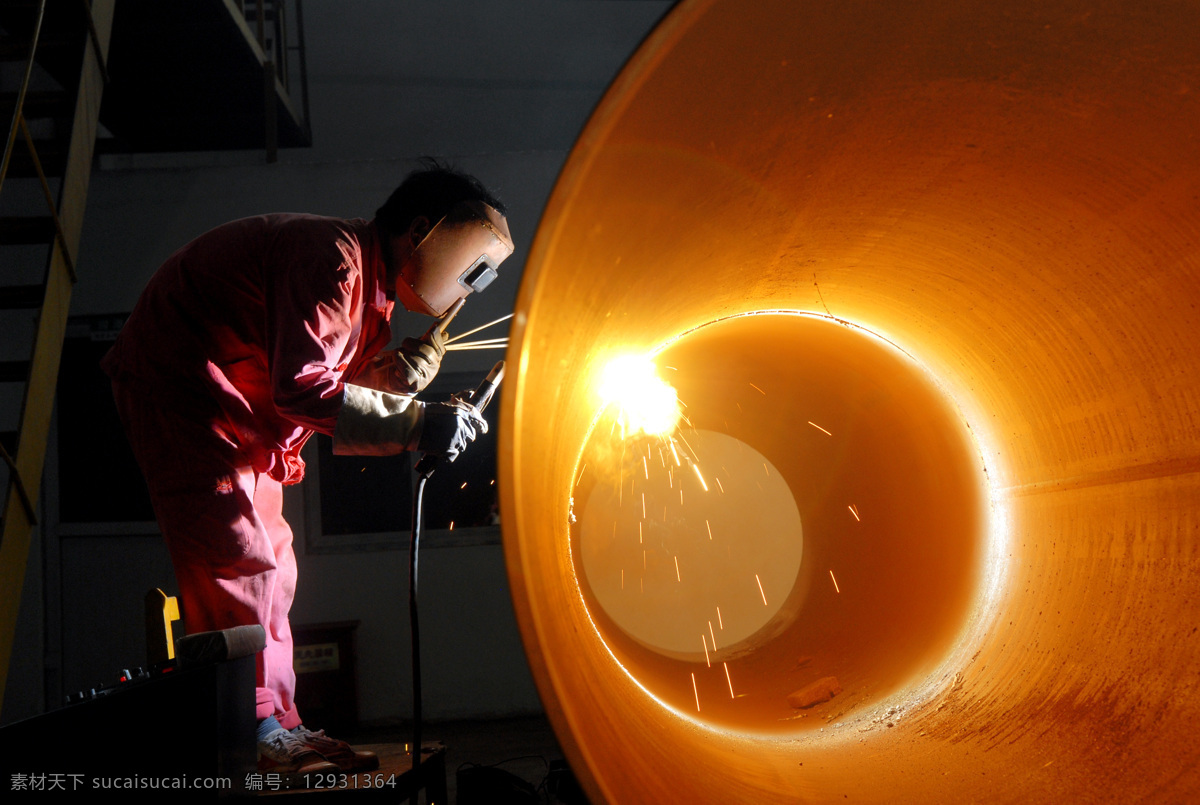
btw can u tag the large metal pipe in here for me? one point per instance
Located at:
(972, 231)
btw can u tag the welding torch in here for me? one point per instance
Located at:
(480, 397)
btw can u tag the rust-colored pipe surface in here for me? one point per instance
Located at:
(932, 270)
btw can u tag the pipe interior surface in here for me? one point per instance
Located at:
(963, 240)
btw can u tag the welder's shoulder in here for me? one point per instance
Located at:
(317, 239)
(313, 229)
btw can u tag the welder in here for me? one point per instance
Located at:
(259, 333)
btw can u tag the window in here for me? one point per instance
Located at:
(365, 502)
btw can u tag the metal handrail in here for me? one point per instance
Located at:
(280, 47)
(68, 258)
(17, 113)
(302, 57)
(95, 39)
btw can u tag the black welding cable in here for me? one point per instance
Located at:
(425, 467)
(414, 544)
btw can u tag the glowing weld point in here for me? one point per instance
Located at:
(677, 578)
(696, 691)
(756, 388)
(646, 402)
(727, 679)
(818, 427)
(854, 511)
(720, 622)
(696, 467)
(704, 640)
(760, 589)
(835, 584)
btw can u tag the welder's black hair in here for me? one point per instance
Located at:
(432, 190)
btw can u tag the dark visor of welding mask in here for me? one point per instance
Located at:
(480, 275)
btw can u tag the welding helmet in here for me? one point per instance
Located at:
(459, 255)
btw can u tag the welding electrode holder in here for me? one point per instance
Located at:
(438, 328)
(441, 324)
(479, 398)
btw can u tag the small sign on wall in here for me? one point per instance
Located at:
(315, 658)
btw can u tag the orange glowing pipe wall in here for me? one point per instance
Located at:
(1007, 194)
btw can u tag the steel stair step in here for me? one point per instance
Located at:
(26, 230)
(14, 371)
(39, 104)
(52, 154)
(22, 297)
(16, 48)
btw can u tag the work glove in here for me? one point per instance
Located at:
(450, 426)
(418, 360)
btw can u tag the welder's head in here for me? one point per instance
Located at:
(444, 236)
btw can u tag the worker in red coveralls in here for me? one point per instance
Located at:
(252, 337)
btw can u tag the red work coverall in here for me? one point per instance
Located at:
(236, 352)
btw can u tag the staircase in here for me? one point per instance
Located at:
(55, 50)
(196, 76)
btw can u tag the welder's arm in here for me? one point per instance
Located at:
(376, 423)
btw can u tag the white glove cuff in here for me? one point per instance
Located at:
(375, 423)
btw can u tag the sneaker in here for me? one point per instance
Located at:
(343, 754)
(284, 753)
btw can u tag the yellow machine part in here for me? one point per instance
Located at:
(973, 231)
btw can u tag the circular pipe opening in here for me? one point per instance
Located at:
(813, 528)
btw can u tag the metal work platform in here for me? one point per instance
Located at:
(205, 76)
(394, 780)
